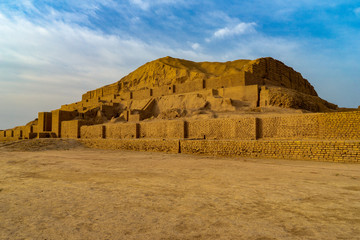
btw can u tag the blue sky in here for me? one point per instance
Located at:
(52, 51)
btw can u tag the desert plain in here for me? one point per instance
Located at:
(58, 189)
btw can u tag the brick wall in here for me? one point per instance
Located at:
(191, 86)
(237, 128)
(18, 132)
(93, 131)
(329, 151)
(9, 133)
(162, 129)
(57, 117)
(242, 93)
(2, 135)
(339, 125)
(289, 127)
(29, 132)
(142, 94)
(122, 130)
(111, 89)
(273, 71)
(44, 121)
(71, 129)
(333, 151)
(343, 125)
(162, 91)
(152, 145)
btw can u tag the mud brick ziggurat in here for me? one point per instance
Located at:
(252, 108)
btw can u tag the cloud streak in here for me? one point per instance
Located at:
(147, 4)
(239, 29)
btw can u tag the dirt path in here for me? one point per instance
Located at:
(96, 194)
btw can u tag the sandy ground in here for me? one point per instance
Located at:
(79, 193)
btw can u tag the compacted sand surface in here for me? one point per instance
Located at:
(83, 193)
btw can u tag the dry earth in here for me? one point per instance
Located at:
(79, 193)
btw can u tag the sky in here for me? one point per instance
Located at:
(53, 51)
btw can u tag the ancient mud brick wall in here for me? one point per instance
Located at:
(29, 132)
(92, 103)
(162, 129)
(110, 98)
(339, 125)
(255, 73)
(9, 133)
(73, 106)
(163, 90)
(289, 127)
(57, 117)
(237, 128)
(339, 151)
(93, 131)
(86, 96)
(264, 97)
(142, 94)
(192, 86)
(152, 145)
(271, 71)
(71, 129)
(2, 135)
(242, 93)
(111, 89)
(44, 121)
(225, 81)
(126, 95)
(18, 132)
(342, 125)
(122, 130)
(329, 151)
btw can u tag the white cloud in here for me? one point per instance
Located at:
(238, 29)
(195, 46)
(241, 28)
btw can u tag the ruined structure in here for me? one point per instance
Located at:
(217, 108)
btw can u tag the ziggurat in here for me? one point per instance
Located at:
(253, 108)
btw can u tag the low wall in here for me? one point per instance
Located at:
(297, 126)
(328, 151)
(122, 130)
(338, 125)
(162, 129)
(92, 132)
(237, 128)
(152, 145)
(342, 125)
